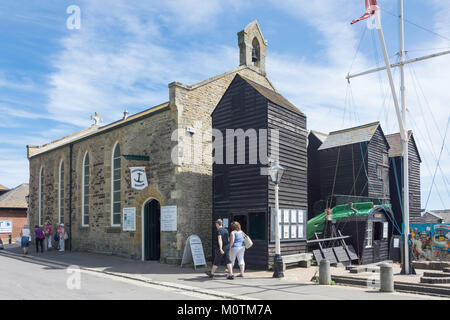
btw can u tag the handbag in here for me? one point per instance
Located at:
(66, 236)
(247, 241)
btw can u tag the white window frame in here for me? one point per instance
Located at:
(369, 234)
(112, 186)
(61, 163)
(41, 196)
(83, 187)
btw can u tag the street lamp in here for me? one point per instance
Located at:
(276, 172)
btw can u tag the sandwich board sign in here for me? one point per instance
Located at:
(193, 252)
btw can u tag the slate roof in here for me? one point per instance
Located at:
(444, 214)
(350, 136)
(95, 129)
(395, 144)
(15, 198)
(272, 96)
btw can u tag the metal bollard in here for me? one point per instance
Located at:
(324, 272)
(386, 278)
(9, 239)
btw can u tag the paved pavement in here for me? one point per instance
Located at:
(256, 285)
(32, 280)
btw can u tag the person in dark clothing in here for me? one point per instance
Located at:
(39, 238)
(222, 253)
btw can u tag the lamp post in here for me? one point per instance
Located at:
(276, 172)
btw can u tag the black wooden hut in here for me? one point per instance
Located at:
(396, 180)
(369, 234)
(244, 191)
(315, 140)
(354, 162)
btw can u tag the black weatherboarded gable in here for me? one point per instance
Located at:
(354, 162)
(240, 191)
(396, 179)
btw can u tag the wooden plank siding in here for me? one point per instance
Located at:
(244, 188)
(348, 169)
(293, 190)
(378, 148)
(239, 190)
(396, 186)
(352, 169)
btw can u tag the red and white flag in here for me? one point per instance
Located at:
(371, 8)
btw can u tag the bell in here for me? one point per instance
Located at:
(254, 56)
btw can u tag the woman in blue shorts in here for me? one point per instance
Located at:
(25, 238)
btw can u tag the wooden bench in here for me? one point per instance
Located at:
(302, 259)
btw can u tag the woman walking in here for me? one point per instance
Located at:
(237, 248)
(39, 235)
(61, 236)
(48, 236)
(25, 235)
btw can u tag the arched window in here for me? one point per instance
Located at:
(61, 192)
(41, 196)
(115, 186)
(85, 192)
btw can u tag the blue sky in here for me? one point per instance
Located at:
(126, 52)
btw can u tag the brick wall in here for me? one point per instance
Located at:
(18, 218)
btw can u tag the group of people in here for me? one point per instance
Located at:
(229, 248)
(44, 237)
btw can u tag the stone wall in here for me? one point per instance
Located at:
(149, 136)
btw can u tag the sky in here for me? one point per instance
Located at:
(53, 78)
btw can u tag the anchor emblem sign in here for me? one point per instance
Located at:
(138, 178)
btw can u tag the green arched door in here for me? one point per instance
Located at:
(152, 238)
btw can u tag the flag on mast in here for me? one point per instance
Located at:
(371, 8)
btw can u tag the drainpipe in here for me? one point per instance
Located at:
(70, 196)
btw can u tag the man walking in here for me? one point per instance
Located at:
(223, 250)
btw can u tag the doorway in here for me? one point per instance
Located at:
(152, 230)
(242, 219)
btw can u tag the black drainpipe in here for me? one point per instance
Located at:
(70, 196)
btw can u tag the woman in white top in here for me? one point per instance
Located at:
(25, 238)
(237, 249)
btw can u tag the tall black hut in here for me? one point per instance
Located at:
(242, 190)
(396, 179)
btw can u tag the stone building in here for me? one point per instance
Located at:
(83, 180)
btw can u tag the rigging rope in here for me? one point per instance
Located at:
(416, 25)
(439, 159)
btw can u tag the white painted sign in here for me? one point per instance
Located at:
(385, 230)
(396, 243)
(5, 226)
(138, 178)
(129, 219)
(193, 252)
(169, 218)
